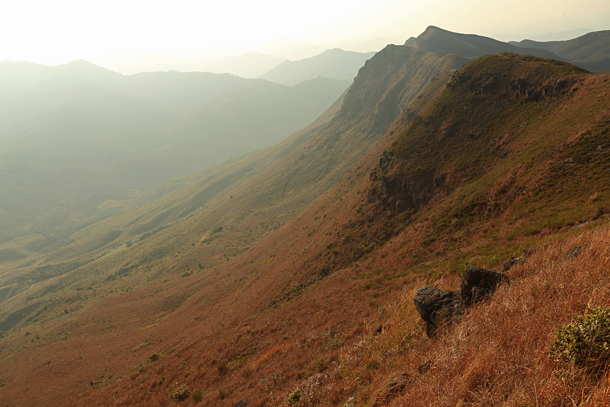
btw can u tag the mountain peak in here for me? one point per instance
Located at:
(433, 29)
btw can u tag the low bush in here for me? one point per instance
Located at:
(586, 340)
(294, 397)
(181, 393)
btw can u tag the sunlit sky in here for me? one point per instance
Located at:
(59, 31)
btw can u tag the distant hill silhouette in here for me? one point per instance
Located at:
(590, 51)
(83, 111)
(332, 63)
(248, 65)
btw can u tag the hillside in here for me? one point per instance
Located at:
(332, 63)
(273, 273)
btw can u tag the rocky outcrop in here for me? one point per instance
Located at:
(438, 307)
(442, 307)
(478, 284)
(526, 90)
(396, 194)
(439, 180)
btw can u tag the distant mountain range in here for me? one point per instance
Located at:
(130, 132)
(248, 65)
(90, 114)
(332, 63)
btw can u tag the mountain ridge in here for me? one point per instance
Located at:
(590, 51)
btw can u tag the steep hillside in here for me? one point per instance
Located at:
(332, 63)
(590, 51)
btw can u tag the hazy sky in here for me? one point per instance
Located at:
(58, 31)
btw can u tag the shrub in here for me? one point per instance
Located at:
(586, 340)
(222, 394)
(222, 368)
(180, 393)
(294, 397)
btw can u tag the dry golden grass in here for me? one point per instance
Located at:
(499, 355)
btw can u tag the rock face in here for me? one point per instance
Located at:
(438, 307)
(478, 284)
(441, 307)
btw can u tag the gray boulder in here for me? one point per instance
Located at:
(438, 307)
(442, 307)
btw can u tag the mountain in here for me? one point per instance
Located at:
(590, 51)
(332, 63)
(286, 276)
